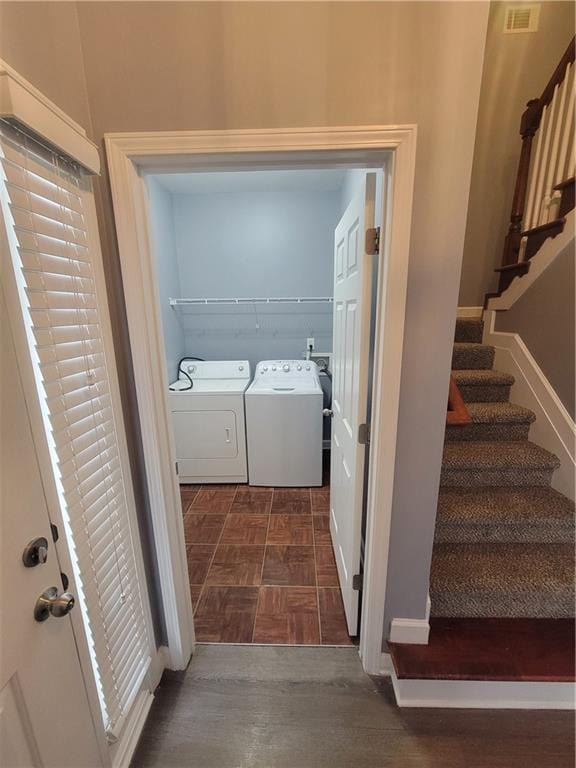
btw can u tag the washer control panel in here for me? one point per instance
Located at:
(276, 368)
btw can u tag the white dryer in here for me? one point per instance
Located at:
(284, 424)
(208, 421)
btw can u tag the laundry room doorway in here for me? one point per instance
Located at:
(268, 310)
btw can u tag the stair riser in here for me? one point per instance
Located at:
(487, 432)
(537, 606)
(487, 394)
(474, 478)
(536, 533)
(479, 359)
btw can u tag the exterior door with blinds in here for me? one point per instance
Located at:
(45, 208)
(40, 670)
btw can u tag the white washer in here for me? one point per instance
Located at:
(209, 423)
(284, 424)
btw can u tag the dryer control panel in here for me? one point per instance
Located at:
(215, 369)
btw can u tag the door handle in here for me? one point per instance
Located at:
(328, 412)
(50, 603)
(227, 430)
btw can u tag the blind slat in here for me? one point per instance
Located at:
(33, 161)
(64, 334)
(57, 283)
(27, 221)
(70, 400)
(75, 450)
(54, 265)
(27, 180)
(32, 200)
(89, 449)
(51, 246)
(67, 368)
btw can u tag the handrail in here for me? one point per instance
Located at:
(538, 177)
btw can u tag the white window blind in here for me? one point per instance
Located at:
(42, 203)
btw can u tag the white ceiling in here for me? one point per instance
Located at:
(321, 180)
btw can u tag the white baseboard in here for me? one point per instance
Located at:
(482, 694)
(126, 746)
(475, 312)
(553, 429)
(411, 631)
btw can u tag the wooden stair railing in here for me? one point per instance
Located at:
(544, 190)
(457, 413)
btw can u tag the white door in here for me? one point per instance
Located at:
(351, 344)
(45, 718)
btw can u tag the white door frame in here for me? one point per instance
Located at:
(132, 155)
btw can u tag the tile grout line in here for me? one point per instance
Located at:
(263, 561)
(186, 545)
(215, 549)
(315, 571)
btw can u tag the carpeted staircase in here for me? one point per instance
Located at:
(504, 544)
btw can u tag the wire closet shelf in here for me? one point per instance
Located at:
(260, 300)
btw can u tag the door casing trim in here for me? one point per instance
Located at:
(130, 156)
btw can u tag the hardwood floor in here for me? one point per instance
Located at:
(261, 565)
(491, 649)
(303, 707)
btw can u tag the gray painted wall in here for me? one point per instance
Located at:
(516, 68)
(164, 249)
(544, 318)
(255, 244)
(269, 65)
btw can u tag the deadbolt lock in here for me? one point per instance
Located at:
(35, 552)
(50, 603)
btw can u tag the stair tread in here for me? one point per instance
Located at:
(502, 568)
(500, 413)
(490, 649)
(506, 505)
(497, 455)
(481, 378)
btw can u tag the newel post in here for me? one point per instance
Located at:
(528, 127)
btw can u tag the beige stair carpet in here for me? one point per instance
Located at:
(504, 544)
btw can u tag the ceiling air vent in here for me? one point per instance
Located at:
(521, 18)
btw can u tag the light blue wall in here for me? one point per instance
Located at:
(164, 249)
(256, 244)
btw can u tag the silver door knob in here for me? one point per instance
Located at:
(50, 603)
(328, 412)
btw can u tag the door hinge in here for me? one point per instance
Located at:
(177, 468)
(357, 582)
(364, 434)
(55, 534)
(373, 240)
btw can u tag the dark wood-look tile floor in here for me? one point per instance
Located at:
(261, 565)
(538, 650)
(304, 707)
